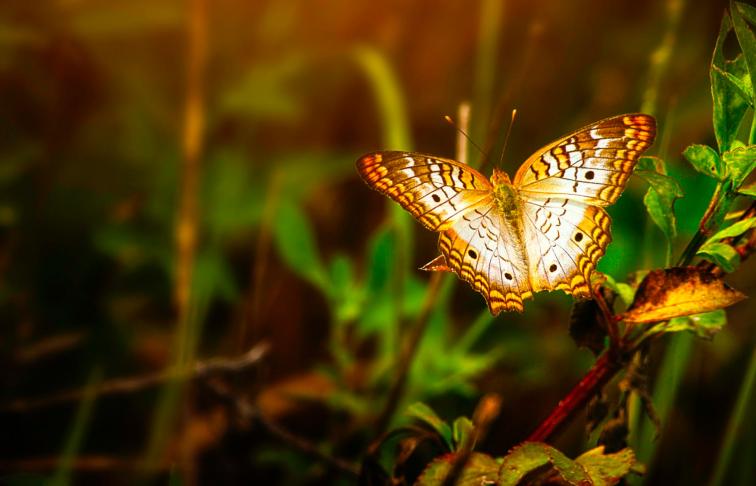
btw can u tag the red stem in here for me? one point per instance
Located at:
(599, 375)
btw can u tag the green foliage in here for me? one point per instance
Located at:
(531, 456)
(739, 162)
(704, 325)
(729, 106)
(723, 254)
(624, 290)
(425, 414)
(535, 463)
(662, 193)
(746, 40)
(705, 160)
(296, 243)
(481, 469)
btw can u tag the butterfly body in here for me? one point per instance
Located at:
(544, 230)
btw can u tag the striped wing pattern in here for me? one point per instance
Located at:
(555, 238)
(564, 187)
(591, 165)
(436, 191)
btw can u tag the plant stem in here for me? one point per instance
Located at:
(407, 355)
(735, 425)
(703, 227)
(187, 224)
(602, 371)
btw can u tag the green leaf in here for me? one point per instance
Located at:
(739, 163)
(607, 469)
(480, 470)
(345, 291)
(661, 196)
(295, 242)
(382, 251)
(746, 39)
(721, 254)
(625, 291)
(531, 456)
(705, 160)
(424, 413)
(729, 106)
(704, 325)
(742, 85)
(747, 11)
(736, 229)
(462, 429)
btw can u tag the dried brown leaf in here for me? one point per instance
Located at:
(676, 292)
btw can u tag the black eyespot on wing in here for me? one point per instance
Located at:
(436, 198)
(508, 276)
(472, 253)
(578, 236)
(589, 175)
(553, 267)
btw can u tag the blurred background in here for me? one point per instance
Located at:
(177, 185)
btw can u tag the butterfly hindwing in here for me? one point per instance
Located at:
(591, 165)
(436, 191)
(484, 252)
(564, 240)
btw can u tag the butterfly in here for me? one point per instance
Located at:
(544, 230)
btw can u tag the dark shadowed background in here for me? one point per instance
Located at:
(177, 183)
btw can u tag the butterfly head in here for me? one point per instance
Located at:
(500, 177)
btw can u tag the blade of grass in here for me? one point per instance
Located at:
(188, 321)
(491, 13)
(661, 56)
(666, 388)
(678, 351)
(78, 431)
(396, 136)
(735, 424)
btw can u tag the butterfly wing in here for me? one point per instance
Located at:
(482, 250)
(563, 187)
(591, 165)
(565, 240)
(436, 191)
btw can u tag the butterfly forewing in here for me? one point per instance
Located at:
(591, 165)
(436, 191)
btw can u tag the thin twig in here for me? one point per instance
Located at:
(199, 370)
(85, 463)
(602, 371)
(611, 321)
(248, 413)
(607, 365)
(703, 228)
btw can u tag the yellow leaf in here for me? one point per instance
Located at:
(676, 292)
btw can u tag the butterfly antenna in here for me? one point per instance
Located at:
(450, 121)
(506, 138)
